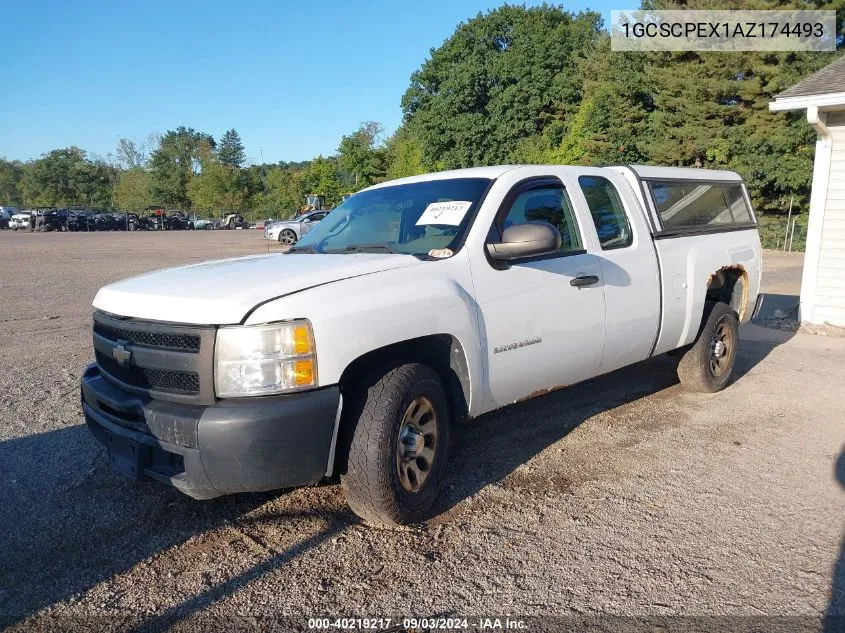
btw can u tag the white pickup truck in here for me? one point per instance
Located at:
(415, 304)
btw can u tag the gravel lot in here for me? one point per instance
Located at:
(624, 495)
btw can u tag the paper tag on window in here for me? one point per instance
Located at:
(450, 213)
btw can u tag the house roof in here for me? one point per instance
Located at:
(828, 80)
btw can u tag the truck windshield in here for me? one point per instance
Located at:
(412, 219)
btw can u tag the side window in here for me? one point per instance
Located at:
(685, 204)
(547, 203)
(736, 203)
(612, 225)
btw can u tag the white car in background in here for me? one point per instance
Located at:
(290, 231)
(20, 221)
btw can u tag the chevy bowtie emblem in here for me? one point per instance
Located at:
(121, 354)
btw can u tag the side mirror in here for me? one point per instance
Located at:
(525, 240)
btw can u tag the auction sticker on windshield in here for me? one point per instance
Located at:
(450, 213)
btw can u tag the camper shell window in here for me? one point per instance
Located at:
(695, 205)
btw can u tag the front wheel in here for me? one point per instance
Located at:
(707, 365)
(287, 237)
(397, 429)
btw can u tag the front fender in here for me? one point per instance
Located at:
(352, 317)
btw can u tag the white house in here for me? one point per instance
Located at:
(822, 95)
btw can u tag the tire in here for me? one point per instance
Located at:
(288, 236)
(707, 366)
(377, 480)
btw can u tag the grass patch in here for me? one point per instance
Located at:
(773, 231)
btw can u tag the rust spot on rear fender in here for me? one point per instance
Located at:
(736, 268)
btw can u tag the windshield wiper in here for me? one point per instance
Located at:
(302, 249)
(367, 248)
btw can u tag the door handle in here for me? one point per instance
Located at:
(584, 280)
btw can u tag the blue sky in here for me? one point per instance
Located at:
(291, 77)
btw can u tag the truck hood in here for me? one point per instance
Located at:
(223, 292)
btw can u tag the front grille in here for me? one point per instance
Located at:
(167, 380)
(165, 361)
(164, 340)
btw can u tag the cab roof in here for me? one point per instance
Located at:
(648, 172)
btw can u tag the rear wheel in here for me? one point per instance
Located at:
(287, 237)
(397, 429)
(707, 365)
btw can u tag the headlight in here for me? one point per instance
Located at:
(264, 359)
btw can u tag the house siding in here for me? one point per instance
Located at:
(829, 300)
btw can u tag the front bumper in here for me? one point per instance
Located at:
(237, 445)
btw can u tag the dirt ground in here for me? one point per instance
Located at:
(624, 495)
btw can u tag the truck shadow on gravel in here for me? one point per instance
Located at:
(493, 446)
(835, 614)
(67, 524)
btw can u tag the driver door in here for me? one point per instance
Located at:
(541, 318)
(311, 221)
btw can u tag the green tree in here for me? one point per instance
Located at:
(231, 150)
(404, 155)
(217, 187)
(129, 155)
(711, 109)
(497, 80)
(175, 162)
(253, 180)
(95, 182)
(323, 178)
(360, 156)
(286, 189)
(611, 121)
(66, 176)
(11, 172)
(134, 190)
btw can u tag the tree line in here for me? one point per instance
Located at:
(513, 85)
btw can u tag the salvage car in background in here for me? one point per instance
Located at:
(290, 231)
(6, 214)
(234, 221)
(21, 221)
(201, 224)
(51, 220)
